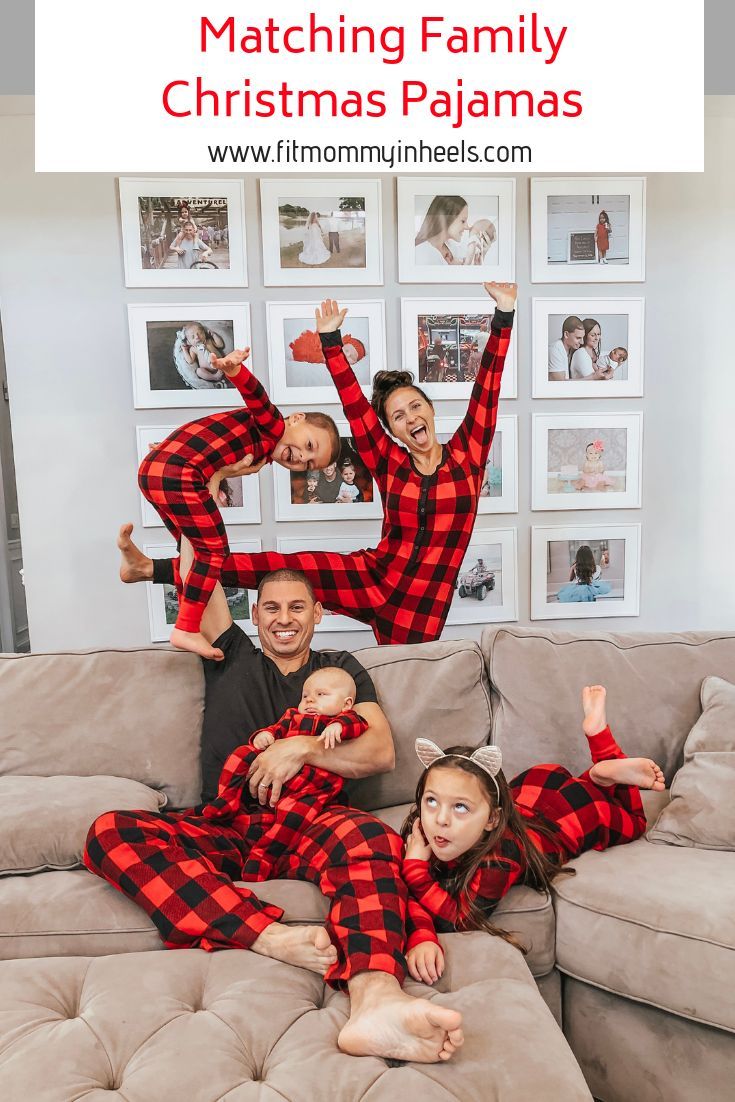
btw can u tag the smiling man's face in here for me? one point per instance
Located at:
(285, 617)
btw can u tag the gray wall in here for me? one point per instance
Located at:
(63, 301)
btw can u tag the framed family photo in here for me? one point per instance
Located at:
(183, 233)
(588, 347)
(238, 499)
(456, 229)
(171, 350)
(342, 491)
(587, 460)
(297, 367)
(163, 601)
(588, 229)
(443, 343)
(487, 584)
(321, 232)
(499, 490)
(343, 545)
(585, 571)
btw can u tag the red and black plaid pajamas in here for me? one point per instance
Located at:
(584, 815)
(402, 588)
(174, 477)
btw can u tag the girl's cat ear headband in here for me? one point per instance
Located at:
(489, 758)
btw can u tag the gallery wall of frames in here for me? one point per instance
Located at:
(587, 345)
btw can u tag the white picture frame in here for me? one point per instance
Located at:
(489, 199)
(161, 341)
(365, 324)
(564, 214)
(552, 550)
(495, 549)
(215, 204)
(563, 441)
(621, 322)
(285, 232)
(505, 443)
(246, 488)
(344, 545)
(161, 609)
(423, 317)
(291, 488)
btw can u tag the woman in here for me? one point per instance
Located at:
(584, 361)
(314, 251)
(446, 238)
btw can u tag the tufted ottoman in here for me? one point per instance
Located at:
(202, 1027)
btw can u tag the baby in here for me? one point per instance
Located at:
(593, 469)
(198, 347)
(611, 361)
(348, 491)
(329, 692)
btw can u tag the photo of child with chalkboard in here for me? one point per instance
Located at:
(580, 229)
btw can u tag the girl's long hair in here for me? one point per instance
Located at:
(584, 564)
(540, 870)
(443, 209)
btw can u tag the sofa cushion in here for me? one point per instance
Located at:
(422, 689)
(702, 810)
(44, 820)
(537, 675)
(654, 923)
(128, 713)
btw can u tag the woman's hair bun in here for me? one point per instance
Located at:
(385, 381)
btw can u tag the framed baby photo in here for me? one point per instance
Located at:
(183, 233)
(238, 499)
(587, 460)
(589, 229)
(321, 233)
(456, 229)
(171, 350)
(487, 585)
(585, 571)
(163, 601)
(342, 491)
(342, 545)
(298, 370)
(443, 343)
(588, 347)
(499, 490)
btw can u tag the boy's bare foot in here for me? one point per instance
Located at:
(195, 642)
(593, 704)
(134, 565)
(393, 1025)
(305, 946)
(640, 772)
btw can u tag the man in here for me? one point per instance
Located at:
(329, 484)
(181, 867)
(333, 225)
(562, 350)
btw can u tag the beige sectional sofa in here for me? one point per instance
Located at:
(635, 952)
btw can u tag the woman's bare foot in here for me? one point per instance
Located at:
(387, 1022)
(593, 705)
(195, 642)
(134, 565)
(305, 946)
(640, 772)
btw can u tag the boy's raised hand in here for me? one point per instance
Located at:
(505, 294)
(329, 317)
(230, 364)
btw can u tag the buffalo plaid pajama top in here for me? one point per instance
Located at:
(584, 816)
(174, 477)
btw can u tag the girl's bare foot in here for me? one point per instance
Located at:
(387, 1022)
(134, 565)
(593, 705)
(195, 642)
(640, 772)
(305, 946)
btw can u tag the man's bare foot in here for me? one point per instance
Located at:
(134, 565)
(195, 642)
(640, 772)
(305, 946)
(593, 704)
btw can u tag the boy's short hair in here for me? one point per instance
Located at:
(324, 421)
(286, 574)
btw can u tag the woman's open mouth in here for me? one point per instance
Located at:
(420, 435)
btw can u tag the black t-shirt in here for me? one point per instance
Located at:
(327, 491)
(247, 691)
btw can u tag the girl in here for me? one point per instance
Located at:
(441, 238)
(603, 231)
(593, 469)
(472, 835)
(584, 580)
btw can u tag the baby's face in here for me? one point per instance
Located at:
(324, 694)
(350, 354)
(619, 355)
(592, 452)
(195, 334)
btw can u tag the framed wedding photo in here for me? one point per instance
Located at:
(342, 545)
(585, 571)
(342, 491)
(443, 343)
(298, 371)
(589, 229)
(163, 602)
(321, 233)
(487, 584)
(171, 351)
(587, 460)
(588, 347)
(499, 489)
(183, 233)
(456, 229)
(238, 499)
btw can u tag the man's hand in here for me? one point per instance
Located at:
(425, 962)
(275, 766)
(417, 848)
(329, 317)
(230, 364)
(248, 465)
(331, 735)
(505, 294)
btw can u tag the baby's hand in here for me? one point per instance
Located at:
(331, 735)
(425, 962)
(417, 848)
(230, 364)
(262, 740)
